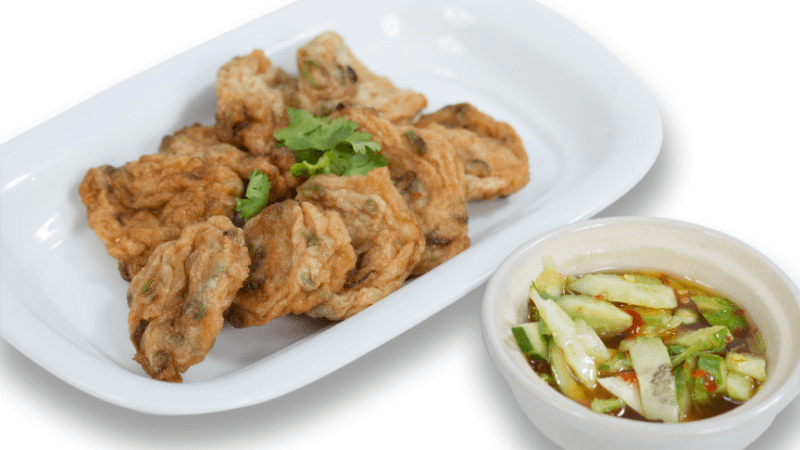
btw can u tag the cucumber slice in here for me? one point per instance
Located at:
(565, 335)
(550, 280)
(619, 290)
(616, 364)
(602, 316)
(530, 340)
(686, 315)
(720, 311)
(625, 388)
(683, 389)
(591, 342)
(607, 405)
(713, 339)
(661, 318)
(563, 375)
(656, 382)
(740, 387)
(639, 278)
(750, 365)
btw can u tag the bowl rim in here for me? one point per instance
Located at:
(735, 418)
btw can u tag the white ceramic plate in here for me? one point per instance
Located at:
(591, 128)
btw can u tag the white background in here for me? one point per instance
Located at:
(726, 77)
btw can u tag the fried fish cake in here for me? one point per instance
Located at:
(144, 203)
(427, 173)
(300, 255)
(201, 141)
(494, 159)
(330, 75)
(252, 96)
(385, 233)
(177, 300)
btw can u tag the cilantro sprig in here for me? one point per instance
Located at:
(256, 195)
(328, 145)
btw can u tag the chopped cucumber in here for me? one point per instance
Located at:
(683, 389)
(720, 311)
(602, 316)
(607, 405)
(639, 278)
(661, 318)
(656, 382)
(563, 376)
(713, 338)
(591, 342)
(619, 290)
(530, 340)
(758, 345)
(626, 389)
(740, 387)
(750, 365)
(625, 344)
(565, 335)
(616, 364)
(687, 316)
(708, 303)
(550, 280)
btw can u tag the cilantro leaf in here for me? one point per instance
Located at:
(256, 195)
(325, 145)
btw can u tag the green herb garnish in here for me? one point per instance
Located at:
(324, 145)
(256, 195)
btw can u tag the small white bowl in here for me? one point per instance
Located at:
(723, 263)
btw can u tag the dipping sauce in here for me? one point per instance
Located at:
(643, 345)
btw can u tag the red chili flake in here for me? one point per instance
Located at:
(634, 330)
(710, 384)
(708, 381)
(628, 377)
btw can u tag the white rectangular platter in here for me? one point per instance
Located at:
(591, 129)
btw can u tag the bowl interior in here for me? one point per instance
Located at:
(724, 264)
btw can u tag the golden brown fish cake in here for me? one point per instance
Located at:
(386, 234)
(201, 141)
(252, 96)
(330, 76)
(426, 172)
(494, 159)
(300, 255)
(144, 203)
(178, 298)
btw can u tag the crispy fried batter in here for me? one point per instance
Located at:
(178, 298)
(494, 159)
(252, 98)
(201, 141)
(386, 234)
(146, 202)
(300, 255)
(426, 172)
(330, 76)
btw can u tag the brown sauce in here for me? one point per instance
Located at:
(744, 341)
